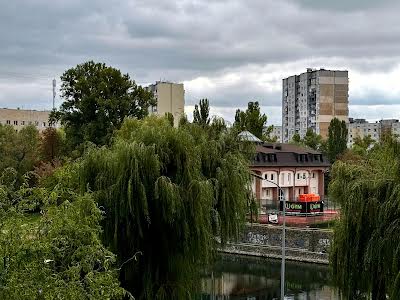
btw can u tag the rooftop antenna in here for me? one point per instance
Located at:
(54, 93)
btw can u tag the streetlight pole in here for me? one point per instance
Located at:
(281, 196)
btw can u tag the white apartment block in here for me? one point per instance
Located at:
(277, 133)
(311, 100)
(18, 118)
(170, 99)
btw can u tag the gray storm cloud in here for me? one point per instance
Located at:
(203, 43)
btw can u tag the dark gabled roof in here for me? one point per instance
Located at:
(288, 155)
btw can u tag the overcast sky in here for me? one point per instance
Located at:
(230, 52)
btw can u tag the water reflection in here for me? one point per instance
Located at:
(247, 278)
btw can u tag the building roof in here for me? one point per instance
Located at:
(248, 136)
(288, 155)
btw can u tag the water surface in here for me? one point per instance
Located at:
(240, 277)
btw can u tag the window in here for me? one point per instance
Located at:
(15, 122)
(272, 176)
(304, 175)
(44, 124)
(8, 122)
(36, 123)
(298, 175)
(23, 122)
(313, 175)
(267, 192)
(283, 178)
(289, 177)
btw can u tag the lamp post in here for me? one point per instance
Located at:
(281, 196)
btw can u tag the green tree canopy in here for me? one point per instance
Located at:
(251, 119)
(365, 143)
(296, 139)
(337, 138)
(52, 144)
(170, 117)
(8, 139)
(183, 121)
(19, 150)
(267, 134)
(97, 98)
(312, 140)
(365, 254)
(166, 192)
(57, 254)
(201, 113)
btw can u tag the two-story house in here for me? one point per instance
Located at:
(294, 169)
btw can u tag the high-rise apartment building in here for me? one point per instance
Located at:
(311, 100)
(170, 99)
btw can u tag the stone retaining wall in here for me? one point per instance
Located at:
(308, 245)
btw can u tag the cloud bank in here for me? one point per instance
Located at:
(231, 52)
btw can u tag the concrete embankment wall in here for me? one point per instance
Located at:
(302, 244)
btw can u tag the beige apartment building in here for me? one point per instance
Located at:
(312, 99)
(18, 118)
(170, 99)
(360, 128)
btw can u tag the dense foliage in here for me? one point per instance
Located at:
(19, 150)
(313, 140)
(52, 144)
(252, 120)
(55, 253)
(97, 98)
(166, 193)
(337, 138)
(366, 250)
(201, 113)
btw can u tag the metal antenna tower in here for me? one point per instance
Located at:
(54, 92)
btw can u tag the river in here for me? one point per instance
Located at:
(248, 278)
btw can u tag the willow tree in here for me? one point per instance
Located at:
(366, 250)
(166, 194)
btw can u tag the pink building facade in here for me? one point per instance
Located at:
(295, 169)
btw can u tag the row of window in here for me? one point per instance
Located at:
(289, 176)
(268, 193)
(23, 123)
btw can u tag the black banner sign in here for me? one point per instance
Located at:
(302, 207)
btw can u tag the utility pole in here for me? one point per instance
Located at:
(281, 197)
